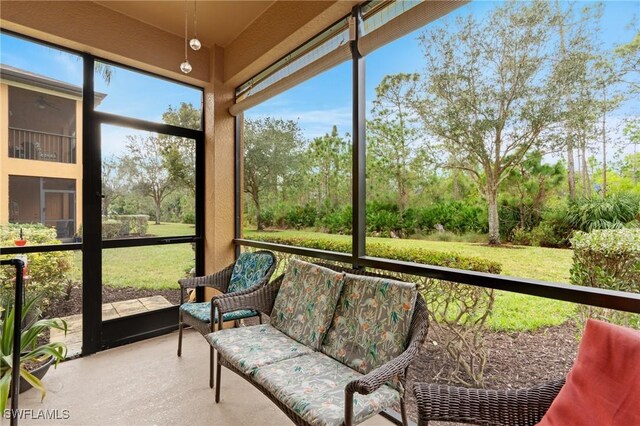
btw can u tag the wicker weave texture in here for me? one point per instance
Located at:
(484, 407)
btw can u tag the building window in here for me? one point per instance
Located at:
(49, 201)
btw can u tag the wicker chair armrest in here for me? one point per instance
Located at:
(484, 407)
(397, 367)
(259, 298)
(219, 280)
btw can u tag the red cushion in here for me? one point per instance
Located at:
(603, 386)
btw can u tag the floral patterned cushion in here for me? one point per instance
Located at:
(249, 269)
(248, 348)
(313, 386)
(306, 301)
(371, 323)
(202, 311)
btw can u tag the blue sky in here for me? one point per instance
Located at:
(317, 104)
(326, 99)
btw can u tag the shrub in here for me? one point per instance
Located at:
(48, 271)
(299, 217)
(337, 222)
(455, 216)
(111, 229)
(267, 217)
(189, 218)
(132, 224)
(417, 255)
(554, 230)
(612, 212)
(607, 259)
(521, 236)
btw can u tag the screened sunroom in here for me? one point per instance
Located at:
(485, 152)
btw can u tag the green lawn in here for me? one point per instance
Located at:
(159, 267)
(152, 267)
(513, 311)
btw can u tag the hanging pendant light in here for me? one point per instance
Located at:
(195, 43)
(185, 67)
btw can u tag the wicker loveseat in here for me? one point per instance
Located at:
(337, 347)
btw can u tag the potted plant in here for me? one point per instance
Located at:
(36, 357)
(21, 242)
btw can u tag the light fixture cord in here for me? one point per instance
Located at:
(195, 18)
(186, 42)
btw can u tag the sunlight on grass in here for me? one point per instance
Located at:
(520, 312)
(149, 267)
(170, 229)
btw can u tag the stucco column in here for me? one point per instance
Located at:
(219, 169)
(4, 154)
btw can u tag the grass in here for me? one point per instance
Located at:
(150, 267)
(513, 311)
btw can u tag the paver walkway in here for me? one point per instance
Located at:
(73, 339)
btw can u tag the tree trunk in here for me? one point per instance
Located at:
(571, 171)
(604, 145)
(259, 223)
(157, 202)
(456, 185)
(585, 170)
(494, 219)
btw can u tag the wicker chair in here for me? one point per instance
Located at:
(263, 299)
(248, 272)
(484, 407)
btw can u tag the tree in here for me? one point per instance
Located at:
(630, 55)
(529, 185)
(632, 131)
(271, 154)
(329, 156)
(573, 74)
(113, 182)
(392, 132)
(180, 153)
(146, 168)
(488, 98)
(607, 77)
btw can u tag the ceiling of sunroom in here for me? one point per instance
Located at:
(219, 22)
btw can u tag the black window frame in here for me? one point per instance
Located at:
(96, 334)
(619, 300)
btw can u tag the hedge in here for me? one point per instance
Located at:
(417, 255)
(607, 258)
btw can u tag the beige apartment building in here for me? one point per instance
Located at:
(40, 151)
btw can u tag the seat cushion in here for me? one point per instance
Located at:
(248, 270)
(313, 386)
(202, 312)
(371, 323)
(247, 348)
(603, 386)
(306, 301)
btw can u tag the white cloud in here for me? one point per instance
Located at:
(315, 122)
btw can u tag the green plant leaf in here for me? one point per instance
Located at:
(33, 381)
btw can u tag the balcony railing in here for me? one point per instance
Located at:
(42, 146)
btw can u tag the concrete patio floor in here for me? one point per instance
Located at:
(145, 383)
(73, 338)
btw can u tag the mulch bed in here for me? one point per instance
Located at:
(516, 360)
(64, 307)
